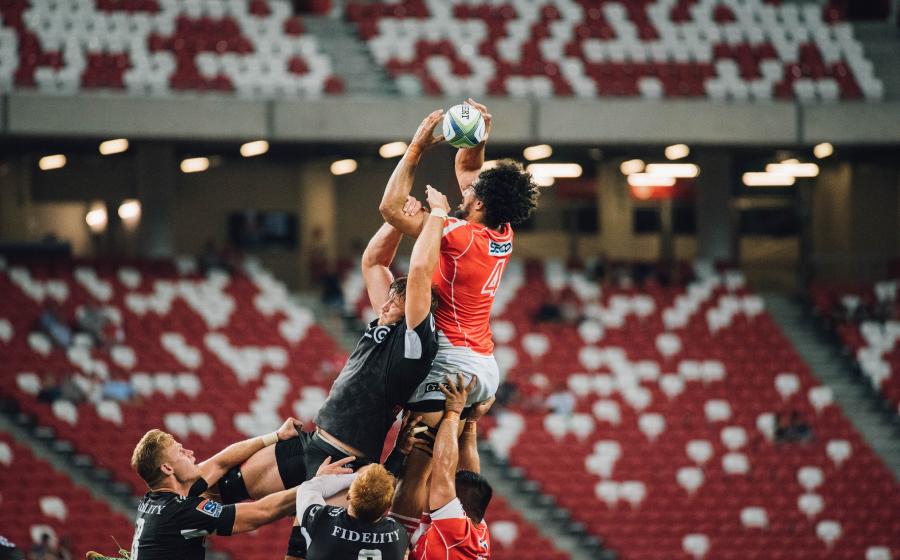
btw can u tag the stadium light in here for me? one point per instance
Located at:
(555, 170)
(631, 166)
(116, 146)
(541, 151)
(794, 169)
(392, 149)
(677, 151)
(96, 218)
(343, 166)
(194, 165)
(767, 179)
(56, 161)
(544, 181)
(255, 148)
(679, 170)
(130, 210)
(823, 150)
(650, 180)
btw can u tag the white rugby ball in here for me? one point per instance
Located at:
(463, 126)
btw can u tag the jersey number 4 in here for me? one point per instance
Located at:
(493, 281)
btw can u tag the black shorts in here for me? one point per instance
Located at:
(232, 488)
(319, 449)
(435, 405)
(290, 457)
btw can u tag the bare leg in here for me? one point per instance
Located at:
(260, 473)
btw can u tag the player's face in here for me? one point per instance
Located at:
(468, 203)
(392, 311)
(183, 463)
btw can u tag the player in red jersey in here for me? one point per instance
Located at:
(475, 249)
(457, 499)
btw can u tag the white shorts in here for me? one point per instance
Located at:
(451, 360)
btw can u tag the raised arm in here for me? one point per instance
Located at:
(376, 262)
(469, 161)
(446, 446)
(213, 468)
(400, 183)
(250, 516)
(468, 441)
(424, 257)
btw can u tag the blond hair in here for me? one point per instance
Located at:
(371, 493)
(149, 455)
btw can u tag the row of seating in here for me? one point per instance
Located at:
(256, 49)
(722, 445)
(212, 359)
(718, 49)
(751, 50)
(867, 322)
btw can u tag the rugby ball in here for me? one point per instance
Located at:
(463, 126)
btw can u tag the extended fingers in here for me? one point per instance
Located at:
(344, 461)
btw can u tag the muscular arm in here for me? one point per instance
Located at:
(252, 515)
(317, 489)
(424, 257)
(468, 449)
(468, 164)
(376, 262)
(398, 188)
(444, 462)
(213, 468)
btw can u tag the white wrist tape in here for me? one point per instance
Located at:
(439, 212)
(270, 439)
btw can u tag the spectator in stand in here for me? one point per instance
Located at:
(52, 324)
(793, 429)
(96, 321)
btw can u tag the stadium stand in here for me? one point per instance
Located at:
(42, 500)
(867, 324)
(671, 48)
(195, 350)
(674, 431)
(161, 47)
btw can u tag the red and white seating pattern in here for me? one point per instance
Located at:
(874, 344)
(255, 49)
(670, 451)
(196, 350)
(212, 360)
(37, 499)
(722, 49)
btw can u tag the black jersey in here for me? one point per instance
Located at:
(329, 533)
(173, 527)
(378, 379)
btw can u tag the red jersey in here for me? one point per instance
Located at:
(448, 534)
(468, 275)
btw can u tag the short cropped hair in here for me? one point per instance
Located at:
(474, 494)
(398, 288)
(371, 493)
(149, 455)
(508, 192)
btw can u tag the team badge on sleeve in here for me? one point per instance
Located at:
(210, 508)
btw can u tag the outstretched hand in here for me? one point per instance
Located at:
(480, 409)
(457, 393)
(290, 429)
(412, 206)
(328, 468)
(424, 137)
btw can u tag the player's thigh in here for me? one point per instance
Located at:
(260, 473)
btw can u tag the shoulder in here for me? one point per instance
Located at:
(456, 226)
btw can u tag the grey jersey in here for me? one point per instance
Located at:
(386, 366)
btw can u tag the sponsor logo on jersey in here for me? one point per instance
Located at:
(496, 249)
(378, 333)
(434, 387)
(210, 508)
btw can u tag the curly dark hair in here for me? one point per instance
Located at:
(508, 193)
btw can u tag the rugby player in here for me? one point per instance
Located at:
(457, 499)
(173, 518)
(476, 245)
(361, 530)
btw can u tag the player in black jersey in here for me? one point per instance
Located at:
(389, 362)
(173, 518)
(361, 530)
(395, 353)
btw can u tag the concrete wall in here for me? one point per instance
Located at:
(366, 119)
